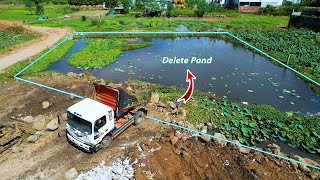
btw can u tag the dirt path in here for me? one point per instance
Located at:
(29, 49)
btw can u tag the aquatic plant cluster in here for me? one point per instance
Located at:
(249, 124)
(298, 47)
(102, 52)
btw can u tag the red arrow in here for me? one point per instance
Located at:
(187, 95)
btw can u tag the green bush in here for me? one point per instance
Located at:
(96, 22)
(176, 12)
(284, 10)
(83, 18)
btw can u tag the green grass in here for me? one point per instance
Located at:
(129, 23)
(18, 12)
(14, 35)
(102, 52)
(42, 64)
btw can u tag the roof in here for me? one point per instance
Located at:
(89, 109)
(119, 7)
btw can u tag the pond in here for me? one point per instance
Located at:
(235, 72)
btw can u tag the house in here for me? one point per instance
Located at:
(254, 5)
(119, 9)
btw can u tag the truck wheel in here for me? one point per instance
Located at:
(106, 141)
(138, 117)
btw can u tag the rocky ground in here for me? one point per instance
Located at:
(148, 151)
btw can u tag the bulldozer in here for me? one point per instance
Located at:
(10, 135)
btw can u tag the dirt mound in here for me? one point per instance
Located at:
(5, 23)
(188, 158)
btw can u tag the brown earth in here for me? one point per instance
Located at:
(191, 159)
(51, 156)
(49, 36)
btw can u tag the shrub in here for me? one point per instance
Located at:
(83, 18)
(96, 22)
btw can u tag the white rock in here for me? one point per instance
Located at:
(53, 124)
(219, 142)
(28, 119)
(205, 138)
(45, 105)
(39, 124)
(245, 103)
(32, 138)
(71, 174)
(172, 105)
(243, 150)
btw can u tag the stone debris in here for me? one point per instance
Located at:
(244, 150)
(45, 105)
(205, 138)
(219, 142)
(154, 98)
(172, 105)
(53, 124)
(28, 119)
(71, 174)
(32, 138)
(120, 170)
(39, 123)
(63, 117)
(273, 146)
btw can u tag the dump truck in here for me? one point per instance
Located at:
(92, 124)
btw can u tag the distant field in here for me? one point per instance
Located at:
(18, 12)
(127, 23)
(14, 35)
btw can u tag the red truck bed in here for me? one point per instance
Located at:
(106, 95)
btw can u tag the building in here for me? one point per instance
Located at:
(254, 5)
(119, 9)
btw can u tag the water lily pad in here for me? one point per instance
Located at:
(241, 140)
(292, 103)
(118, 70)
(252, 124)
(250, 91)
(286, 91)
(244, 131)
(275, 84)
(281, 97)
(213, 78)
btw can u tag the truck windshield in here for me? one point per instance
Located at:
(79, 123)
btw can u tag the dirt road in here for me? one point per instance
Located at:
(31, 48)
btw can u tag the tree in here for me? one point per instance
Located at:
(39, 7)
(126, 5)
(29, 5)
(111, 3)
(139, 5)
(162, 4)
(169, 9)
(202, 7)
(191, 3)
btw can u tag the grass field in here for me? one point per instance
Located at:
(14, 35)
(127, 23)
(18, 12)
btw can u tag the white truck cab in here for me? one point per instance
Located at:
(88, 122)
(93, 124)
